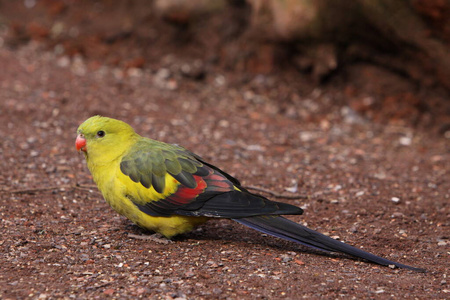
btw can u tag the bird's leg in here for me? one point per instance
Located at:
(156, 237)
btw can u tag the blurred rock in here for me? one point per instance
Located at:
(284, 20)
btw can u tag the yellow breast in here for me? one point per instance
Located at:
(118, 189)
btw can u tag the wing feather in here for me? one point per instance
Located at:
(149, 162)
(186, 179)
(187, 165)
(173, 166)
(158, 183)
(203, 189)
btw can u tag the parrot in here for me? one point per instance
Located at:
(167, 189)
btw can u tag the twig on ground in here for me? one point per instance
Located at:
(60, 188)
(275, 194)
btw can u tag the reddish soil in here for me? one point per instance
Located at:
(369, 148)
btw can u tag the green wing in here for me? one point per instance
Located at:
(150, 161)
(205, 190)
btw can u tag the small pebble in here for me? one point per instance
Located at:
(396, 200)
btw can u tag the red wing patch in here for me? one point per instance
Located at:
(208, 186)
(185, 195)
(217, 183)
(210, 183)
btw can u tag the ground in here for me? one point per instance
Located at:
(367, 162)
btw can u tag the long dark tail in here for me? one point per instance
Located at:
(289, 230)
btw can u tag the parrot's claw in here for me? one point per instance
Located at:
(156, 237)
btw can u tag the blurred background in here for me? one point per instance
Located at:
(388, 61)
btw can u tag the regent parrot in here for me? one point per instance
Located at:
(170, 190)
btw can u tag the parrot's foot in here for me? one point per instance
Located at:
(156, 237)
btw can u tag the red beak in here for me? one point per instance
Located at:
(80, 143)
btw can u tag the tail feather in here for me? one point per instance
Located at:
(289, 230)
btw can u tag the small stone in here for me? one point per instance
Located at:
(293, 188)
(307, 136)
(285, 258)
(158, 279)
(63, 62)
(109, 292)
(397, 215)
(163, 73)
(405, 141)
(189, 274)
(395, 200)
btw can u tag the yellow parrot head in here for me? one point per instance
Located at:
(104, 139)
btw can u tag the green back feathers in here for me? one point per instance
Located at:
(150, 161)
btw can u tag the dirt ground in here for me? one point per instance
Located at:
(368, 148)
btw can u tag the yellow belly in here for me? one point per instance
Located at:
(115, 190)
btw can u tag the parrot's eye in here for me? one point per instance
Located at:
(100, 133)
